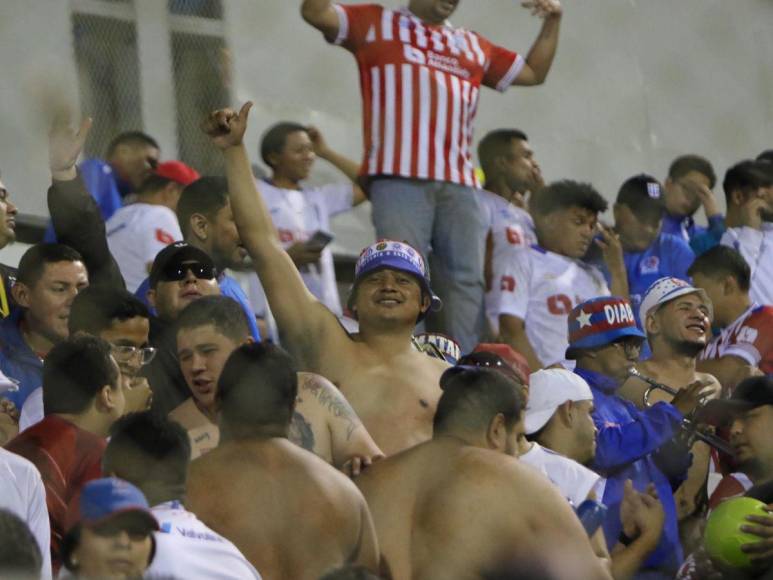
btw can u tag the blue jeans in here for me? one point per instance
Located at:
(448, 220)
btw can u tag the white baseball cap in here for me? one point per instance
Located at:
(665, 290)
(548, 390)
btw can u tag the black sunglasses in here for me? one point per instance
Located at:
(177, 272)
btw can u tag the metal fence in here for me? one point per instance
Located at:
(111, 66)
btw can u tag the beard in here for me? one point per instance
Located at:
(688, 347)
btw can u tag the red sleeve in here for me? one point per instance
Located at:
(754, 340)
(355, 20)
(502, 65)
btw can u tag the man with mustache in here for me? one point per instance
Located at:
(420, 80)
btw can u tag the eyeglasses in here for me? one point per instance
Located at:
(125, 354)
(630, 348)
(177, 272)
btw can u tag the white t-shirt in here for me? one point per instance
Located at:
(575, 481)
(509, 227)
(756, 246)
(186, 548)
(32, 410)
(541, 288)
(135, 234)
(22, 493)
(297, 215)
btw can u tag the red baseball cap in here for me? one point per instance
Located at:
(178, 172)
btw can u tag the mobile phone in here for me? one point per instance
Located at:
(591, 515)
(319, 240)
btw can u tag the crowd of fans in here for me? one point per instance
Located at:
(158, 419)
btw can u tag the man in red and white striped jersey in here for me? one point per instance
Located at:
(420, 80)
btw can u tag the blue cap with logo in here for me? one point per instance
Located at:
(103, 499)
(393, 255)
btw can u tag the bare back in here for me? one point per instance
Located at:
(292, 515)
(446, 510)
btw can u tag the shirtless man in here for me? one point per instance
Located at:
(461, 504)
(291, 514)
(208, 331)
(392, 386)
(677, 319)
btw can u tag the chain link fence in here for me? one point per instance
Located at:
(110, 72)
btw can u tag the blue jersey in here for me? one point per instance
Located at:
(667, 256)
(228, 287)
(700, 239)
(102, 183)
(627, 447)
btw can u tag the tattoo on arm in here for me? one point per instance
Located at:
(301, 433)
(334, 401)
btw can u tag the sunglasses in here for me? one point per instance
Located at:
(177, 272)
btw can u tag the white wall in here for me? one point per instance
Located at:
(635, 83)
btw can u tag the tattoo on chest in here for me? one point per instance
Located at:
(301, 433)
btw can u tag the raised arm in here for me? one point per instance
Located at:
(75, 215)
(347, 166)
(321, 15)
(542, 52)
(305, 325)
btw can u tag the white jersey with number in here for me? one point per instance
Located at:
(297, 215)
(186, 548)
(541, 288)
(22, 493)
(509, 227)
(575, 481)
(135, 234)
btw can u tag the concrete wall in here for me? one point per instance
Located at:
(635, 83)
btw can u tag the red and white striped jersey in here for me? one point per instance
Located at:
(420, 86)
(749, 337)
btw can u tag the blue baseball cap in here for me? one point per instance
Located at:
(393, 255)
(104, 499)
(600, 321)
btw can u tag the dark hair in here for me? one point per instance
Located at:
(257, 391)
(642, 194)
(494, 144)
(153, 184)
(721, 261)
(225, 314)
(144, 447)
(473, 396)
(566, 194)
(207, 195)
(684, 164)
(74, 372)
(19, 551)
(766, 156)
(96, 308)
(746, 176)
(131, 138)
(275, 137)
(35, 259)
(72, 539)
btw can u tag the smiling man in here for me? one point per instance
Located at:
(392, 386)
(539, 285)
(420, 80)
(677, 319)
